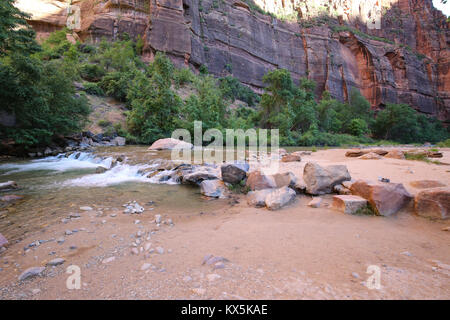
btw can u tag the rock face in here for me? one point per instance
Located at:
(170, 144)
(433, 203)
(348, 204)
(403, 60)
(385, 198)
(234, 172)
(321, 180)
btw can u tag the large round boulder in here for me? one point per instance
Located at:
(170, 144)
(321, 180)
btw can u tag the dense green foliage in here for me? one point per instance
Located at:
(37, 86)
(38, 93)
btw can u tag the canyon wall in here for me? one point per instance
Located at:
(391, 50)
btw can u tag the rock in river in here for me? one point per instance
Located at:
(213, 188)
(234, 172)
(170, 144)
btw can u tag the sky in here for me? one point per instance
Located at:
(445, 8)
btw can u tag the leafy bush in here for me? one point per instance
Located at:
(93, 88)
(233, 89)
(183, 76)
(92, 72)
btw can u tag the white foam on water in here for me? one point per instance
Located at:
(119, 174)
(78, 160)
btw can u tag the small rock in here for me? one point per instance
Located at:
(187, 279)
(315, 202)
(406, 253)
(35, 291)
(60, 240)
(160, 250)
(219, 265)
(137, 221)
(355, 275)
(135, 251)
(31, 272)
(86, 209)
(146, 266)
(446, 229)
(108, 260)
(56, 262)
(213, 277)
(68, 232)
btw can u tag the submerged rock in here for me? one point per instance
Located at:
(433, 203)
(213, 188)
(9, 185)
(321, 180)
(235, 172)
(385, 198)
(170, 144)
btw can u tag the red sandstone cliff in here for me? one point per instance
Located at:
(406, 60)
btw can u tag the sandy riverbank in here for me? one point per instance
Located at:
(294, 253)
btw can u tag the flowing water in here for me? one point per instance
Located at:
(53, 187)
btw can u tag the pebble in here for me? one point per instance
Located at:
(160, 250)
(74, 215)
(31, 272)
(187, 279)
(213, 277)
(108, 260)
(56, 262)
(355, 275)
(73, 247)
(137, 221)
(406, 253)
(157, 218)
(146, 266)
(68, 232)
(60, 240)
(199, 291)
(35, 291)
(219, 265)
(135, 251)
(113, 215)
(86, 209)
(147, 246)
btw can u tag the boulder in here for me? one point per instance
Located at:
(258, 198)
(426, 184)
(100, 169)
(291, 158)
(348, 203)
(385, 198)
(119, 141)
(3, 241)
(287, 179)
(235, 172)
(279, 198)
(9, 185)
(170, 144)
(321, 180)
(258, 181)
(433, 203)
(213, 188)
(371, 156)
(315, 202)
(396, 154)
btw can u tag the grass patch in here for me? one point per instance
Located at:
(366, 211)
